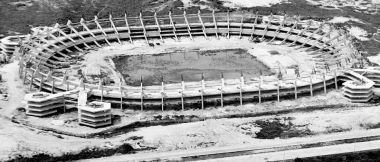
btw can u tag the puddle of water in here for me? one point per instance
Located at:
(191, 64)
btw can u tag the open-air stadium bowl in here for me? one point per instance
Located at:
(58, 56)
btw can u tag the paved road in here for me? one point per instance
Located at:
(265, 149)
(309, 152)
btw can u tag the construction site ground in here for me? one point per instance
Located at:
(28, 140)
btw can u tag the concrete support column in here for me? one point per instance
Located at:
(324, 83)
(77, 33)
(326, 44)
(127, 25)
(101, 29)
(311, 85)
(241, 88)
(315, 32)
(254, 25)
(172, 23)
(203, 25)
(158, 26)
(221, 90)
(41, 82)
(267, 25)
(82, 22)
(320, 38)
(215, 24)
(228, 24)
(182, 93)
(279, 28)
(241, 26)
(162, 94)
(143, 26)
(278, 90)
(50, 53)
(295, 88)
(335, 80)
(142, 95)
(202, 92)
(260, 81)
(24, 77)
(121, 95)
(302, 32)
(52, 43)
(114, 28)
(53, 86)
(60, 41)
(291, 29)
(42, 47)
(35, 74)
(101, 89)
(188, 25)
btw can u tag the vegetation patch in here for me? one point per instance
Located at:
(274, 128)
(83, 154)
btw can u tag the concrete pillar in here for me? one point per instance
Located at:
(279, 28)
(162, 94)
(41, 82)
(267, 25)
(278, 90)
(291, 29)
(241, 88)
(172, 23)
(315, 32)
(67, 37)
(114, 28)
(221, 90)
(77, 33)
(203, 25)
(182, 94)
(216, 25)
(301, 33)
(101, 89)
(295, 88)
(320, 38)
(158, 26)
(101, 29)
(127, 25)
(143, 26)
(142, 95)
(121, 95)
(34, 74)
(228, 24)
(24, 77)
(60, 41)
(311, 85)
(260, 88)
(324, 83)
(202, 91)
(254, 25)
(188, 25)
(53, 86)
(82, 22)
(326, 43)
(50, 43)
(81, 84)
(51, 52)
(21, 67)
(335, 80)
(241, 26)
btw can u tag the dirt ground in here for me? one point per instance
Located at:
(227, 132)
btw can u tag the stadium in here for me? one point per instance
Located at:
(166, 62)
